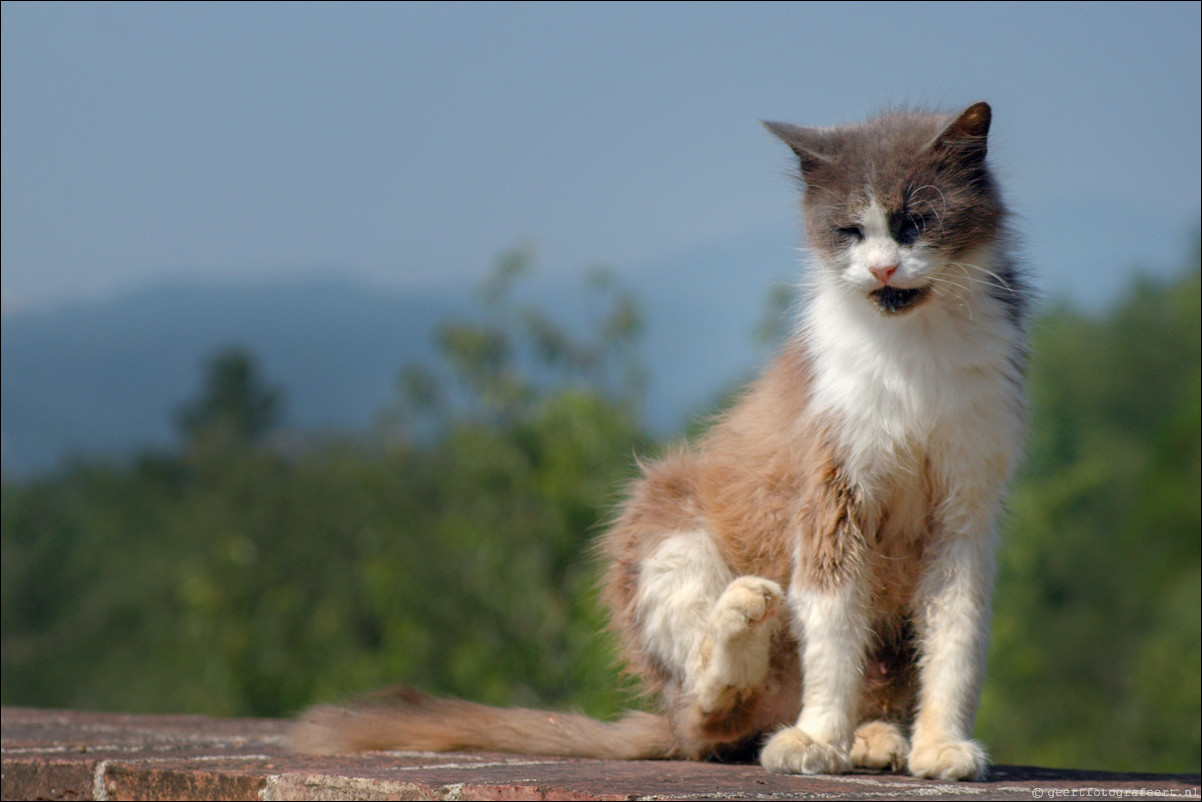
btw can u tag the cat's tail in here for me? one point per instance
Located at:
(403, 718)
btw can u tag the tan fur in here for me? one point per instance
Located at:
(840, 515)
(763, 474)
(405, 718)
(758, 476)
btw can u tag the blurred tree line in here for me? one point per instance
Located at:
(254, 572)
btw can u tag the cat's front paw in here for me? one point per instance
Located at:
(791, 751)
(949, 760)
(879, 745)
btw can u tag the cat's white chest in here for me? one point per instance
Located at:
(897, 389)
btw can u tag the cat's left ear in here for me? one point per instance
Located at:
(964, 139)
(811, 145)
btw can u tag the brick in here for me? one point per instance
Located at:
(136, 781)
(47, 780)
(49, 754)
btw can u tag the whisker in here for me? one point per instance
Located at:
(947, 281)
(937, 213)
(969, 277)
(839, 205)
(945, 286)
(996, 278)
(942, 199)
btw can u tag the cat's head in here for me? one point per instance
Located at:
(894, 206)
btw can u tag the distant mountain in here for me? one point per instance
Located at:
(105, 378)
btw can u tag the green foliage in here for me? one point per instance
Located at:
(1095, 654)
(234, 404)
(254, 573)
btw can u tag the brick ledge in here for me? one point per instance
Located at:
(53, 754)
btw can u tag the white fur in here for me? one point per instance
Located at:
(891, 380)
(738, 639)
(835, 627)
(879, 249)
(792, 751)
(714, 629)
(678, 587)
(922, 401)
(931, 389)
(879, 745)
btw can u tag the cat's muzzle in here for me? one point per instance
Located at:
(895, 300)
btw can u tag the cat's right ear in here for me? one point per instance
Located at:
(807, 143)
(964, 138)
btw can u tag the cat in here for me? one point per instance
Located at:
(812, 579)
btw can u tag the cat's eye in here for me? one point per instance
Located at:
(907, 229)
(850, 233)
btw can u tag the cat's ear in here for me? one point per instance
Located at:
(965, 138)
(810, 144)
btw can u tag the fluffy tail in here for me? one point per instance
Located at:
(403, 718)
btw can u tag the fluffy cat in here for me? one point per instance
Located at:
(812, 579)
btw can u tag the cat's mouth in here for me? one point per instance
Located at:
(895, 300)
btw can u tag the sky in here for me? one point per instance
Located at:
(407, 144)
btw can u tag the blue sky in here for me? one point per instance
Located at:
(407, 144)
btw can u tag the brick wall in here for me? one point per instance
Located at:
(50, 754)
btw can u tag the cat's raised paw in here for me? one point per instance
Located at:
(735, 652)
(791, 751)
(746, 603)
(879, 745)
(949, 760)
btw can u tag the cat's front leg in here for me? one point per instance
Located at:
(952, 601)
(834, 637)
(953, 623)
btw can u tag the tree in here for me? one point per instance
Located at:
(453, 553)
(235, 403)
(1096, 650)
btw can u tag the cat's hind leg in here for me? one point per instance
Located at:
(712, 632)
(879, 745)
(736, 649)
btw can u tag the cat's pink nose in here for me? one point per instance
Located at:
(883, 274)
